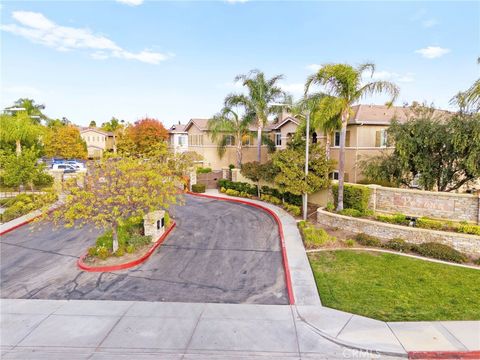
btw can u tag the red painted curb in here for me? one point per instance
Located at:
(445, 355)
(288, 279)
(25, 222)
(130, 264)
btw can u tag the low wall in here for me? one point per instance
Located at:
(467, 244)
(440, 205)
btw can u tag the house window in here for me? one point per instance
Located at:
(335, 175)
(381, 138)
(336, 140)
(278, 139)
(314, 138)
(229, 140)
(182, 140)
(196, 140)
(247, 140)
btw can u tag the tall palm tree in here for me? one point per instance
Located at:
(33, 110)
(229, 123)
(343, 87)
(18, 129)
(262, 94)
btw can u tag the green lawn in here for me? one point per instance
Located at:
(395, 288)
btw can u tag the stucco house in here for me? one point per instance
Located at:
(98, 141)
(366, 137)
(178, 138)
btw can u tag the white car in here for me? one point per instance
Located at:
(67, 168)
(76, 164)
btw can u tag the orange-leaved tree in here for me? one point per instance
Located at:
(142, 137)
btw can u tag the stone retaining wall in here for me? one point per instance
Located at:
(467, 244)
(440, 205)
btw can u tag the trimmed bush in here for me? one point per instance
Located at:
(102, 252)
(130, 249)
(354, 197)
(270, 199)
(398, 244)
(330, 207)
(426, 223)
(368, 240)
(440, 252)
(351, 212)
(202, 170)
(295, 210)
(349, 243)
(232, 192)
(399, 219)
(314, 237)
(469, 229)
(167, 219)
(198, 188)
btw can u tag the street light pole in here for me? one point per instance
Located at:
(307, 138)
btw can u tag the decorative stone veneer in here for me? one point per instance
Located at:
(468, 244)
(154, 224)
(440, 205)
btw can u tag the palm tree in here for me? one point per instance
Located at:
(227, 124)
(343, 87)
(18, 129)
(262, 93)
(33, 110)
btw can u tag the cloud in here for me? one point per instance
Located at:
(432, 52)
(131, 2)
(236, 1)
(314, 67)
(393, 76)
(38, 29)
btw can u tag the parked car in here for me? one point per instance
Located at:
(76, 164)
(67, 168)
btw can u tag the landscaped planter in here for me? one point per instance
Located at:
(465, 243)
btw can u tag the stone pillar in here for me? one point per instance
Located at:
(193, 178)
(154, 224)
(478, 207)
(225, 171)
(235, 174)
(373, 196)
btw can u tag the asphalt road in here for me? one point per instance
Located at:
(219, 252)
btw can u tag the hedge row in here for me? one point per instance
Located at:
(429, 249)
(354, 197)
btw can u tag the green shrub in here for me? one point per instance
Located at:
(349, 243)
(102, 252)
(105, 240)
(426, 223)
(120, 251)
(440, 252)
(469, 229)
(198, 188)
(222, 189)
(245, 195)
(398, 219)
(398, 244)
(92, 251)
(302, 224)
(43, 179)
(477, 261)
(295, 210)
(204, 170)
(271, 199)
(231, 166)
(23, 204)
(238, 186)
(351, 212)
(167, 219)
(330, 207)
(139, 240)
(314, 237)
(354, 196)
(232, 192)
(368, 240)
(130, 249)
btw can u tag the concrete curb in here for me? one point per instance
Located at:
(20, 221)
(447, 355)
(81, 264)
(288, 279)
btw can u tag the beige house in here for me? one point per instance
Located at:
(98, 141)
(366, 137)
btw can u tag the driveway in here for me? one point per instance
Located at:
(219, 252)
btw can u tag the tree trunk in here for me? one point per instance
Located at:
(239, 153)
(327, 145)
(341, 160)
(115, 236)
(19, 147)
(259, 140)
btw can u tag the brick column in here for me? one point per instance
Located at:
(225, 171)
(235, 173)
(373, 196)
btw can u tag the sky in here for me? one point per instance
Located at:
(173, 61)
